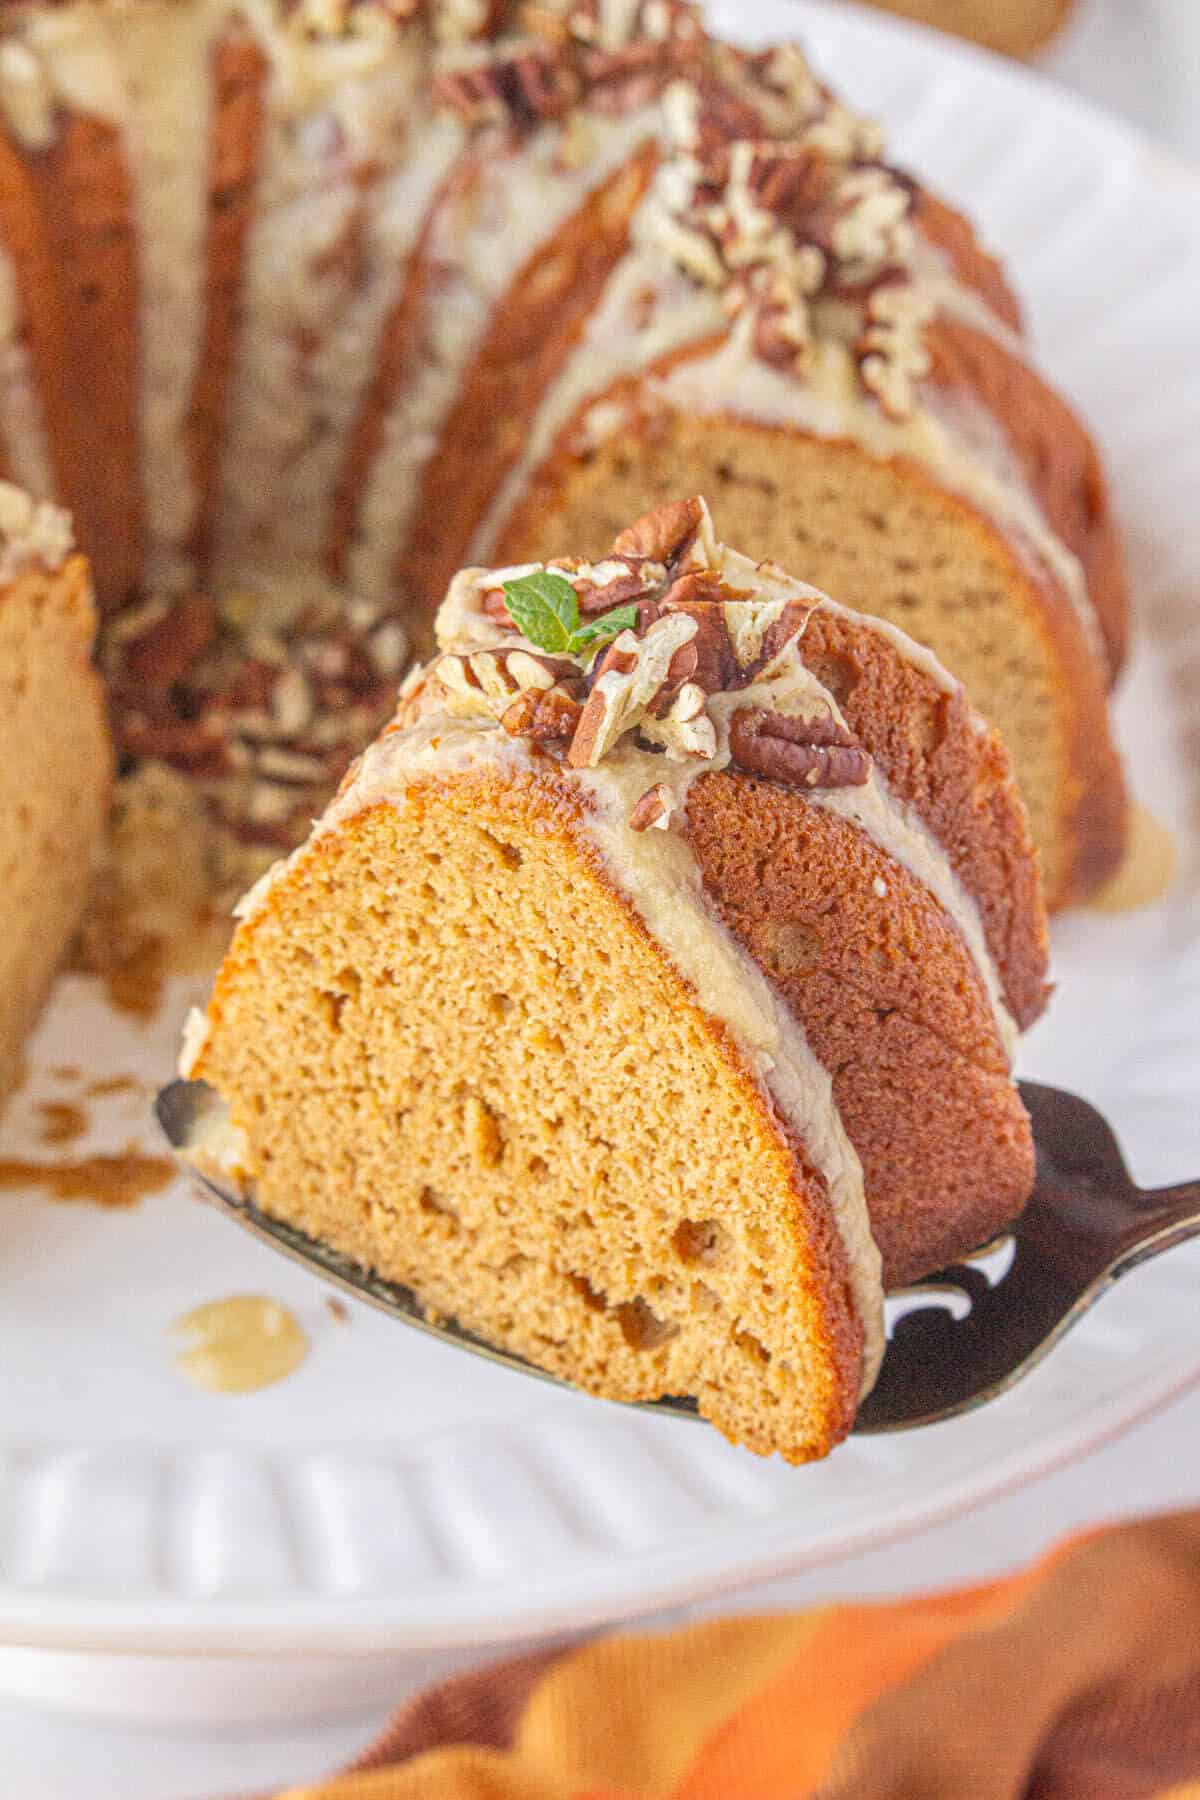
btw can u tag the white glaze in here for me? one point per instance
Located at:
(612, 346)
(33, 534)
(480, 242)
(324, 260)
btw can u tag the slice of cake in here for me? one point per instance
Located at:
(55, 761)
(645, 1001)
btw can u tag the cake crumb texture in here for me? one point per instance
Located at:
(458, 1059)
(55, 775)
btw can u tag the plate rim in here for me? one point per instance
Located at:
(239, 1629)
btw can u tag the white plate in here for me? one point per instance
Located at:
(395, 1495)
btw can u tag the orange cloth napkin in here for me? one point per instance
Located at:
(1078, 1679)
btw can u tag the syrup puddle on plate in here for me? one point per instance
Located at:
(237, 1345)
(62, 1121)
(113, 1181)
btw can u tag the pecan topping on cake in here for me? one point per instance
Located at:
(804, 753)
(629, 681)
(650, 673)
(452, 21)
(780, 214)
(668, 533)
(769, 190)
(544, 717)
(264, 721)
(522, 89)
(612, 58)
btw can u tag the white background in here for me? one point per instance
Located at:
(1141, 57)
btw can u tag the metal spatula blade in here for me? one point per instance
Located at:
(958, 1338)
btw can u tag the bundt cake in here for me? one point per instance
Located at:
(55, 761)
(645, 999)
(362, 290)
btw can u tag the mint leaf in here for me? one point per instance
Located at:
(544, 607)
(602, 630)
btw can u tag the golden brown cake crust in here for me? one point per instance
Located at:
(890, 1003)
(881, 982)
(66, 220)
(951, 232)
(240, 73)
(529, 338)
(959, 782)
(1058, 457)
(400, 344)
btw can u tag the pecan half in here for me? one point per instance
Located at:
(803, 753)
(664, 534)
(617, 581)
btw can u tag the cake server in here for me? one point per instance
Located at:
(957, 1339)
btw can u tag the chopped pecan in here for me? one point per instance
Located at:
(262, 721)
(790, 624)
(534, 670)
(539, 87)
(647, 25)
(616, 581)
(524, 89)
(165, 652)
(543, 715)
(485, 681)
(251, 687)
(617, 659)
(803, 753)
(790, 182)
(716, 667)
(653, 810)
(493, 606)
(196, 747)
(628, 680)
(682, 669)
(474, 94)
(685, 728)
(665, 534)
